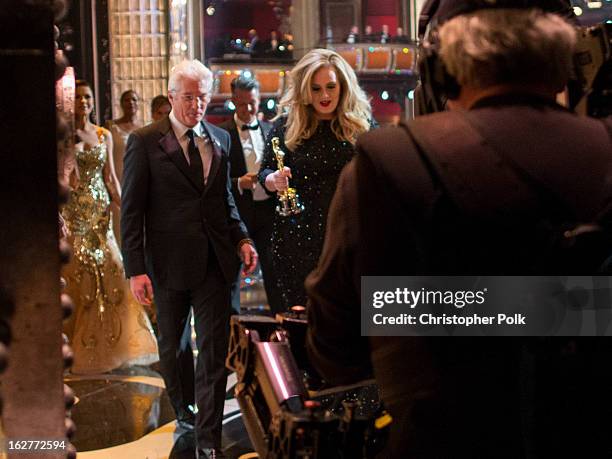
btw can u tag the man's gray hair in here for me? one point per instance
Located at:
(194, 70)
(510, 46)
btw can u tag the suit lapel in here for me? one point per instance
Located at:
(216, 157)
(171, 146)
(238, 156)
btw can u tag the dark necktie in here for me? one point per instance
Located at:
(195, 160)
(252, 127)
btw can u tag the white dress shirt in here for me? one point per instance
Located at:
(253, 149)
(201, 139)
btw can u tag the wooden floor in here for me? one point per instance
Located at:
(129, 416)
(127, 413)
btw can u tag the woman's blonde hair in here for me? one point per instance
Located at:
(352, 114)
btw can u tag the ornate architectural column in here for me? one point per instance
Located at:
(305, 26)
(32, 389)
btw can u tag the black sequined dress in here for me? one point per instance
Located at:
(297, 240)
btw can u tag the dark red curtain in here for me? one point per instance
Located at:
(379, 12)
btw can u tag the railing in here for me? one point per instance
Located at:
(271, 77)
(393, 58)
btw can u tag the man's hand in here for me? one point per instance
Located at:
(278, 181)
(248, 255)
(142, 289)
(248, 181)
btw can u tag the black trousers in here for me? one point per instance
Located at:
(259, 225)
(206, 386)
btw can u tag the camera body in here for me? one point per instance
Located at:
(283, 418)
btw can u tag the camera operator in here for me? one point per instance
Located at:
(468, 192)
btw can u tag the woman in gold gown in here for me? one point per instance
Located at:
(109, 329)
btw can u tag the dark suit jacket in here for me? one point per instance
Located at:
(440, 390)
(168, 221)
(238, 168)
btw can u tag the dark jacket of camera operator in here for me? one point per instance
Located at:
(525, 160)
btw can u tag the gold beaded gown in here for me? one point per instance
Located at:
(109, 328)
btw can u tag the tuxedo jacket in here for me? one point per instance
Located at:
(238, 168)
(169, 221)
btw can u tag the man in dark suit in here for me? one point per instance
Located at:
(353, 35)
(183, 241)
(369, 36)
(476, 190)
(256, 207)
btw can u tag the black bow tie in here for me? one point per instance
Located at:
(252, 127)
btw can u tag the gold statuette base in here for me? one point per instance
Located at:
(289, 203)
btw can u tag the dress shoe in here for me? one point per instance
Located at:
(210, 453)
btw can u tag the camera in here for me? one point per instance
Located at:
(283, 414)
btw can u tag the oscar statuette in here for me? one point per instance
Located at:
(288, 200)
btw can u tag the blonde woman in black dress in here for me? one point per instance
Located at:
(320, 117)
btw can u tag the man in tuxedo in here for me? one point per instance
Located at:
(255, 205)
(353, 35)
(384, 34)
(271, 46)
(368, 35)
(400, 37)
(254, 45)
(183, 241)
